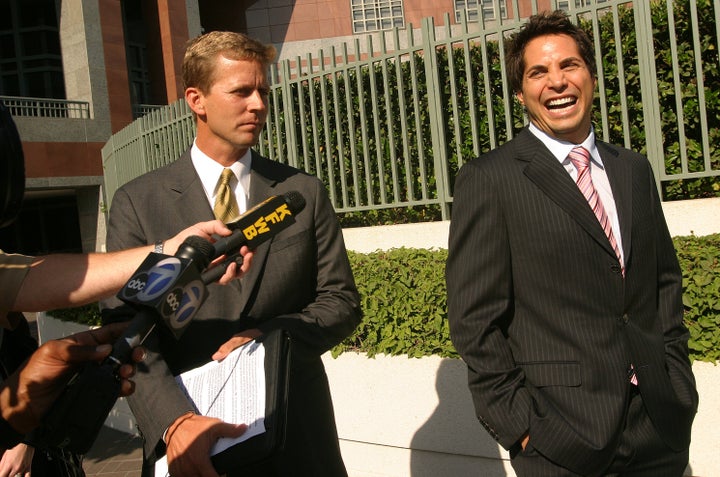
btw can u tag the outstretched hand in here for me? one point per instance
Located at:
(209, 231)
(29, 393)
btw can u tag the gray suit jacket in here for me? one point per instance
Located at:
(300, 281)
(541, 314)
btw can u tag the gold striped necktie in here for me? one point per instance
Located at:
(226, 206)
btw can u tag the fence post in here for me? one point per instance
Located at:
(649, 89)
(288, 98)
(435, 113)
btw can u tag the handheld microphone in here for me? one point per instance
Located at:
(163, 286)
(261, 222)
(254, 227)
(166, 286)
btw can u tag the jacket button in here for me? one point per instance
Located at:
(625, 318)
(616, 269)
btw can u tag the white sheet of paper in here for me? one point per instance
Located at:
(232, 390)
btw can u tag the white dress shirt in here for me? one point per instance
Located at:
(210, 171)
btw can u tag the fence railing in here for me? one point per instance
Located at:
(46, 108)
(140, 110)
(387, 125)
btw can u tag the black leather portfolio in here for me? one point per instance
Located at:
(262, 446)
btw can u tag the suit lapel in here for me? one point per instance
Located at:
(619, 174)
(190, 202)
(261, 187)
(546, 172)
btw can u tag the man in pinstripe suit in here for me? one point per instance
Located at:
(565, 299)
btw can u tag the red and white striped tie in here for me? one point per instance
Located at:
(580, 157)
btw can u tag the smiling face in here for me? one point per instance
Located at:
(557, 87)
(232, 113)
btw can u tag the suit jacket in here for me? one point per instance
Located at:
(539, 309)
(300, 281)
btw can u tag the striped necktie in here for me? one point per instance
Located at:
(226, 206)
(580, 157)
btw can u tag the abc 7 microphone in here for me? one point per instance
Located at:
(163, 286)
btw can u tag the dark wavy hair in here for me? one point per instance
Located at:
(546, 23)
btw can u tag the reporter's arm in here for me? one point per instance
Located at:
(68, 280)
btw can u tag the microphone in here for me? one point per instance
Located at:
(163, 286)
(254, 227)
(167, 286)
(261, 222)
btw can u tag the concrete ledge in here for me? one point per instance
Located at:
(409, 417)
(685, 217)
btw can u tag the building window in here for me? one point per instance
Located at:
(30, 59)
(374, 15)
(565, 4)
(471, 10)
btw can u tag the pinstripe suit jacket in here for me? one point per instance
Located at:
(540, 312)
(300, 281)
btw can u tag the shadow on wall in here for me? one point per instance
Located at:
(452, 441)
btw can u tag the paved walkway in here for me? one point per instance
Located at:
(114, 454)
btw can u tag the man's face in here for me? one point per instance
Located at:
(232, 113)
(557, 87)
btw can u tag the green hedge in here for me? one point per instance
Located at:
(700, 261)
(403, 297)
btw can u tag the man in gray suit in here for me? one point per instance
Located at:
(565, 298)
(299, 281)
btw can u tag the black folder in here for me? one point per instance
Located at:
(263, 446)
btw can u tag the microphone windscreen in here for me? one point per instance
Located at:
(295, 201)
(197, 249)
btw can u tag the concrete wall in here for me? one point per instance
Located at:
(409, 417)
(685, 217)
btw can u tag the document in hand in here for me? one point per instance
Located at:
(248, 387)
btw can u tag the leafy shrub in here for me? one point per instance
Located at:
(404, 300)
(700, 261)
(85, 315)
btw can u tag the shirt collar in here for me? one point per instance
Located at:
(210, 170)
(560, 149)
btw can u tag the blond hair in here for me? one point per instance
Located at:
(199, 61)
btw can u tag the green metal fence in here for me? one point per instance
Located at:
(387, 122)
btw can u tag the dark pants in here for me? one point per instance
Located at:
(641, 453)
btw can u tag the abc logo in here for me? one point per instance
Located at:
(160, 278)
(181, 305)
(135, 285)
